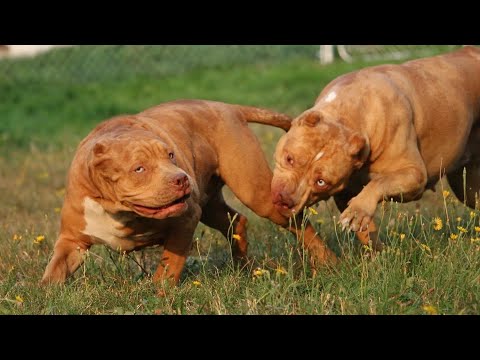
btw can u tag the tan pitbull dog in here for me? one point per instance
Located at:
(384, 132)
(148, 179)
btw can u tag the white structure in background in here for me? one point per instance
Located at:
(25, 50)
(327, 53)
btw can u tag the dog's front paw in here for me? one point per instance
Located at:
(356, 218)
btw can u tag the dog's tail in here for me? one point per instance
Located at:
(264, 116)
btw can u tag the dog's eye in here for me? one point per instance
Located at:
(140, 169)
(321, 183)
(171, 155)
(289, 160)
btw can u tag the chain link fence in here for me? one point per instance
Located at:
(85, 63)
(350, 53)
(80, 64)
(390, 52)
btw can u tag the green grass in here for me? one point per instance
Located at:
(41, 126)
(46, 115)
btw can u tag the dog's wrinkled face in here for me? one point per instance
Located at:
(314, 161)
(141, 173)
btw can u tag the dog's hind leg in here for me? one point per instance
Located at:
(216, 215)
(467, 188)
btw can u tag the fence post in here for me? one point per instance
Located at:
(326, 54)
(344, 55)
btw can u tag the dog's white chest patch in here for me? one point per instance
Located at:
(330, 96)
(102, 226)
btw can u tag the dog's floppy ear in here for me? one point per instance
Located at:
(100, 158)
(312, 118)
(99, 153)
(99, 149)
(358, 148)
(101, 161)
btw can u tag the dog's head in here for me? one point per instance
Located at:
(314, 161)
(139, 171)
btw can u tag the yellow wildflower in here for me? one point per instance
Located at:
(367, 248)
(453, 236)
(196, 283)
(281, 270)
(430, 310)
(19, 299)
(425, 247)
(446, 193)
(312, 211)
(236, 237)
(474, 240)
(461, 229)
(39, 239)
(459, 219)
(477, 228)
(259, 272)
(437, 223)
(472, 214)
(17, 237)
(402, 236)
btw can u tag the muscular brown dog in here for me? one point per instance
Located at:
(149, 179)
(384, 132)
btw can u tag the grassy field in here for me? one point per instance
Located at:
(429, 267)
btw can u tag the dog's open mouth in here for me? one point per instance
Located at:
(167, 209)
(285, 209)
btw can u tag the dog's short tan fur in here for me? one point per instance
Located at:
(149, 178)
(384, 132)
